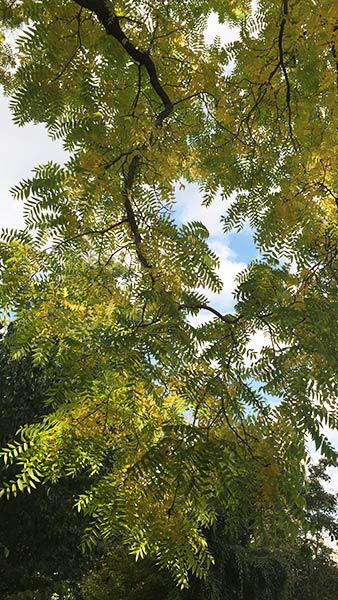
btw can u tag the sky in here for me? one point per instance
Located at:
(23, 148)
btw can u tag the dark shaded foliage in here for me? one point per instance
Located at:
(40, 534)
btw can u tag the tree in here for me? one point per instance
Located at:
(102, 280)
(40, 535)
(315, 572)
(304, 570)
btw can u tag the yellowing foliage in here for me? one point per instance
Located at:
(161, 413)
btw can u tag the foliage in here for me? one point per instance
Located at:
(314, 568)
(321, 506)
(116, 575)
(102, 280)
(40, 534)
(304, 570)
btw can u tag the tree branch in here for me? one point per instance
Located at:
(283, 67)
(92, 232)
(230, 320)
(111, 23)
(129, 181)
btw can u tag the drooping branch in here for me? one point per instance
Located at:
(111, 23)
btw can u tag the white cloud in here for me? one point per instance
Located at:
(228, 270)
(11, 216)
(202, 317)
(21, 149)
(332, 485)
(225, 32)
(229, 33)
(258, 340)
(189, 207)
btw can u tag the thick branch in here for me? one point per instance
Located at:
(283, 67)
(111, 23)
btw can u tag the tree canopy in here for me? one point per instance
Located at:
(40, 555)
(165, 415)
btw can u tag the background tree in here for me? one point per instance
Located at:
(314, 568)
(40, 534)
